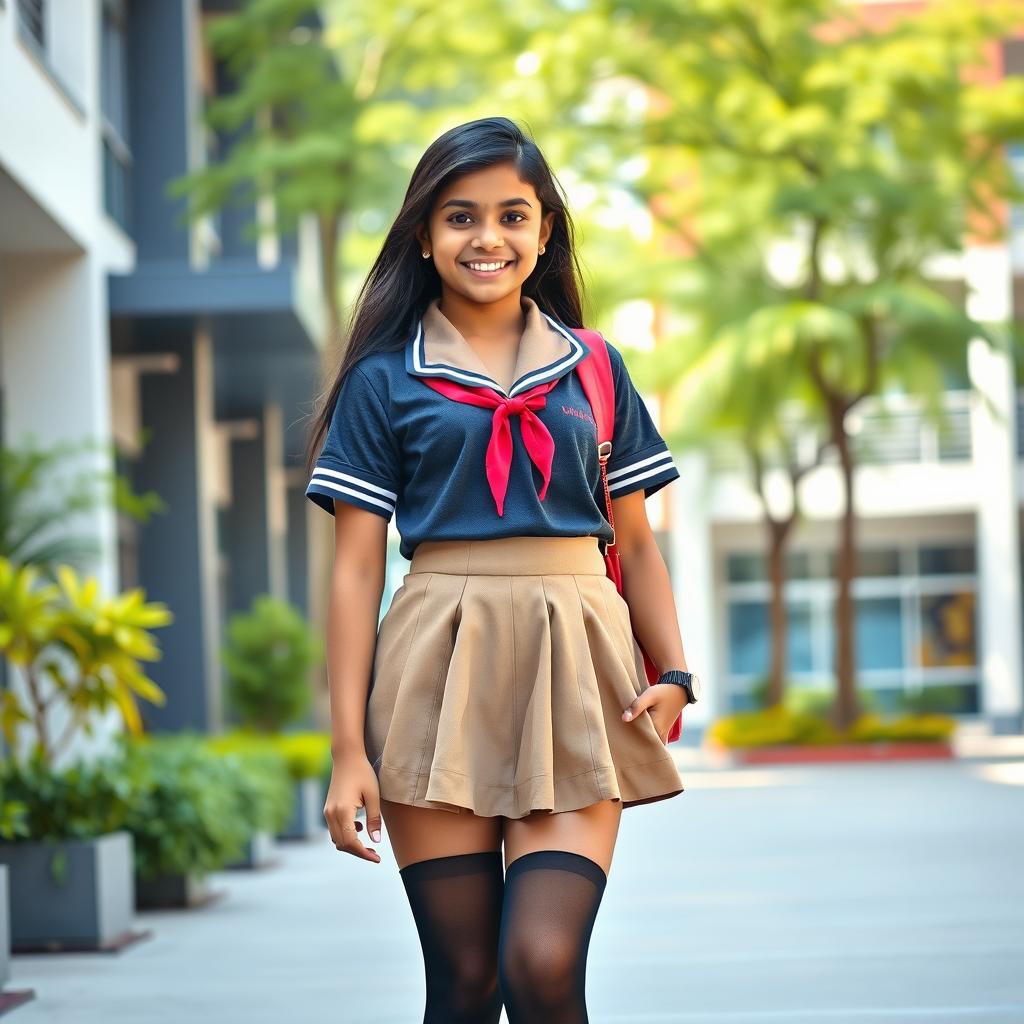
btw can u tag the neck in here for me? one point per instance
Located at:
(478, 321)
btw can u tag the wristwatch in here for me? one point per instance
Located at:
(689, 681)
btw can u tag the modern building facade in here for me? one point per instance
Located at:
(191, 348)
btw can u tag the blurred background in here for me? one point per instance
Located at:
(802, 221)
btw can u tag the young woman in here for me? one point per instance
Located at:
(502, 700)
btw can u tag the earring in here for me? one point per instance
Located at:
(425, 255)
(541, 250)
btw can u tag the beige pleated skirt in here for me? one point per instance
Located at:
(501, 671)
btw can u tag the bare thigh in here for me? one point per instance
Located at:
(590, 831)
(420, 833)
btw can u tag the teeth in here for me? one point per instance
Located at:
(487, 266)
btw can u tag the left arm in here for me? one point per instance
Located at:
(648, 593)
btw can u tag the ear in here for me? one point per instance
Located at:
(546, 227)
(423, 238)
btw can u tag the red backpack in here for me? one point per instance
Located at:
(595, 373)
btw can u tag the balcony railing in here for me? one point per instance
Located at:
(893, 429)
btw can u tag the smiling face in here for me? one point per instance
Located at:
(484, 233)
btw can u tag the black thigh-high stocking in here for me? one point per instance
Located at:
(551, 902)
(456, 904)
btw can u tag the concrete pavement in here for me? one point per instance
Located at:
(836, 894)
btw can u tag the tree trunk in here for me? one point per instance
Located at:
(330, 234)
(778, 615)
(846, 709)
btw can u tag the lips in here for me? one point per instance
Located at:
(489, 273)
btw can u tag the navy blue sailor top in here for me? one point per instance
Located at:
(397, 446)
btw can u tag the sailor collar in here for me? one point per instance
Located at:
(547, 350)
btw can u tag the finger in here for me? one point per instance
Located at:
(638, 704)
(350, 828)
(343, 830)
(373, 817)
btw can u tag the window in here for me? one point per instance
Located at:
(915, 626)
(117, 159)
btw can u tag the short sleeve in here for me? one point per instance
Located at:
(640, 456)
(359, 462)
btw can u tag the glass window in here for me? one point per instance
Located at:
(878, 562)
(744, 567)
(942, 561)
(750, 637)
(114, 104)
(752, 566)
(948, 630)
(801, 648)
(879, 629)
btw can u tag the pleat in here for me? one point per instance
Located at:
(503, 694)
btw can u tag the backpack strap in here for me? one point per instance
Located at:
(595, 373)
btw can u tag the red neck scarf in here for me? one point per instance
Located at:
(536, 438)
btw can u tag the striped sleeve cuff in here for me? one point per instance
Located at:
(648, 470)
(349, 484)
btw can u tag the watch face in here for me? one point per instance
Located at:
(695, 686)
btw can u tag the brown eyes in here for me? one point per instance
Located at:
(452, 220)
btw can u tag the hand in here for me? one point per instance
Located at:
(663, 702)
(353, 785)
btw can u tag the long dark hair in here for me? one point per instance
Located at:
(401, 284)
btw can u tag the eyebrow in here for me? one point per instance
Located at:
(518, 201)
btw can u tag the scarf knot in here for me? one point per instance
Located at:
(536, 438)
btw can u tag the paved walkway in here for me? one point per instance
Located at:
(839, 894)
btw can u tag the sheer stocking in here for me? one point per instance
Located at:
(550, 904)
(456, 904)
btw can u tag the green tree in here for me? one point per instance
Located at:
(812, 164)
(268, 654)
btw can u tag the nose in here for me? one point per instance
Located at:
(488, 238)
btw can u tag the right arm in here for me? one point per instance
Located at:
(357, 585)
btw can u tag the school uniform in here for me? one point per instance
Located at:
(506, 657)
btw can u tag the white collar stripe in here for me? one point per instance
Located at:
(442, 369)
(565, 363)
(477, 379)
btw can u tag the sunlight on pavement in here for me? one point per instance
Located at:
(1008, 773)
(744, 778)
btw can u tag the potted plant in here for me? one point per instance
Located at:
(267, 655)
(70, 863)
(183, 817)
(12, 814)
(308, 757)
(263, 793)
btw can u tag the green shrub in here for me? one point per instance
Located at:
(189, 807)
(778, 726)
(267, 655)
(771, 727)
(933, 699)
(265, 795)
(184, 812)
(45, 805)
(307, 754)
(905, 727)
